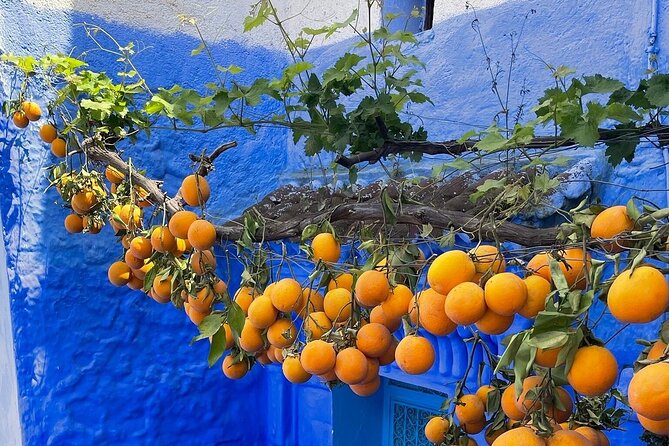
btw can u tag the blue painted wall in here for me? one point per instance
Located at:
(102, 365)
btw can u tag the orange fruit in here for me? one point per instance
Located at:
(657, 350)
(351, 366)
(567, 438)
(48, 133)
(203, 261)
(310, 301)
(180, 222)
(244, 296)
(547, 357)
(261, 312)
(483, 392)
(610, 223)
(366, 389)
(162, 240)
(276, 354)
(135, 283)
(343, 280)
(593, 371)
(325, 247)
(182, 247)
(250, 339)
(590, 434)
(282, 333)
(83, 201)
(140, 247)
(220, 287)
(317, 324)
(286, 294)
(337, 304)
(132, 261)
(487, 257)
(162, 286)
(59, 147)
(397, 303)
(538, 290)
(229, 338)
(505, 294)
(203, 300)
(195, 190)
(119, 273)
(469, 409)
(19, 119)
(293, 370)
(263, 358)
(414, 355)
(519, 436)
(114, 175)
(465, 304)
(510, 405)
(436, 428)
(91, 225)
(431, 313)
(449, 269)
(372, 370)
(525, 402)
(648, 392)
(328, 376)
(234, 370)
(162, 300)
(493, 324)
(389, 356)
(201, 235)
(640, 296)
(378, 316)
(141, 272)
(577, 265)
(373, 340)
(660, 427)
(492, 435)
(372, 288)
(131, 216)
(318, 357)
(74, 224)
(32, 110)
(473, 427)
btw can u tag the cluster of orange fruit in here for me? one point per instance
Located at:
(31, 112)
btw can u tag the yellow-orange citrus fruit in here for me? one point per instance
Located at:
(132, 261)
(261, 312)
(293, 370)
(316, 324)
(19, 119)
(83, 201)
(465, 304)
(372, 288)
(493, 324)
(492, 435)
(567, 438)
(220, 287)
(660, 427)
(483, 391)
(114, 175)
(525, 402)
(195, 190)
(397, 303)
(610, 223)
(59, 147)
(436, 428)
(182, 247)
(640, 296)
(229, 338)
(32, 110)
(93, 226)
(244, 296)
(275, 354)
(389, 356)
(141, 273)
(351, 366)
(325, 247)
(519, 436)
(473, 427)
(372, 370)
(310, 301)
(449, 269)
(234, 370)
(180, 223)
(203, 261)
(510, 405)
(119, 273)
(162, 286)
(577, 265)
(203, 300)
(343, 280)
(593, 371)
(373, 340)
(48, 133)
(140, 247)
(366, 389)
(250, 339)
(657, 350)
(590, 434)
(318, 357)
(74, 224)
(505, 294)
(328, 376)
(414, 355)
(488, 258)
(286, 295)
(378, 316)
(648, 391)
(162, 300)
(131, 216)
(337, 304)
(162, 240)
(263, 358)
(432, 315)
(469, 409)
(282, 333)
(547, 357)
(135, 283)
(201, 235)
(538, 290)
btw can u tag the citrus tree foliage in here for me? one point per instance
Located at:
(339, 323)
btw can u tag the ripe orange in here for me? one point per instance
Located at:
(276, 354)
(483, 391)
(74, 224)
(577, 265)
(119, 273)
(141, 273)
(657, 350)
(372, 288)
(378, 316)
(229, 338)
(660, 427)
(202, 262)
(114, 175)
(286, 295)
(449, 269)
(593, 371)
(389, 356)
(201, 235)
(465, 304)
(473, 428)
(343, 280)
(372, 370)
(261, 312)
(282, 333)
(337, 304)
(131, 216)
(648, 392)
(234, 370)
(397, 303)
(432, 315)
(505, 294)
(244, 296)
(140, 247)
(135, 283)
(162, 240)
(180, 223)
(318, 357)
(162, 300)
(48, 133)
(91, 225)
(162, 286)
(366, 389)
(83, 201)
(250, 339)
(590, 434)
(351, 366)
(547, 357)
(203, 300)
(538, 290)
(414, 355)
(610, 223)
(487, 257)
(519, 436)
(640, 296)
(493, 324)
(19, 119)
(59, 147)
(436, 428)
(373, 340)
(316, 324)
(310, 301)
(293, 370)
(32, 110)
(510, 405)
(526, 403)
(195, 190)
(132, 261)
(325, 247)
(469, 409)
(567, 438)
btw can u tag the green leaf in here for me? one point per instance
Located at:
(557, 276)
(511, 350)
(562, 72)
(632, 211)
(622, 147)
(492, 142)
(487, 186)
(658, 90)
(601, 84)
(209, 326)
(217, 347)
(198, 50)
(388, 205)
(309, 232)
(622, 113)
(260, 16)
(548, 339)
(236, 318)
(468, 135)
